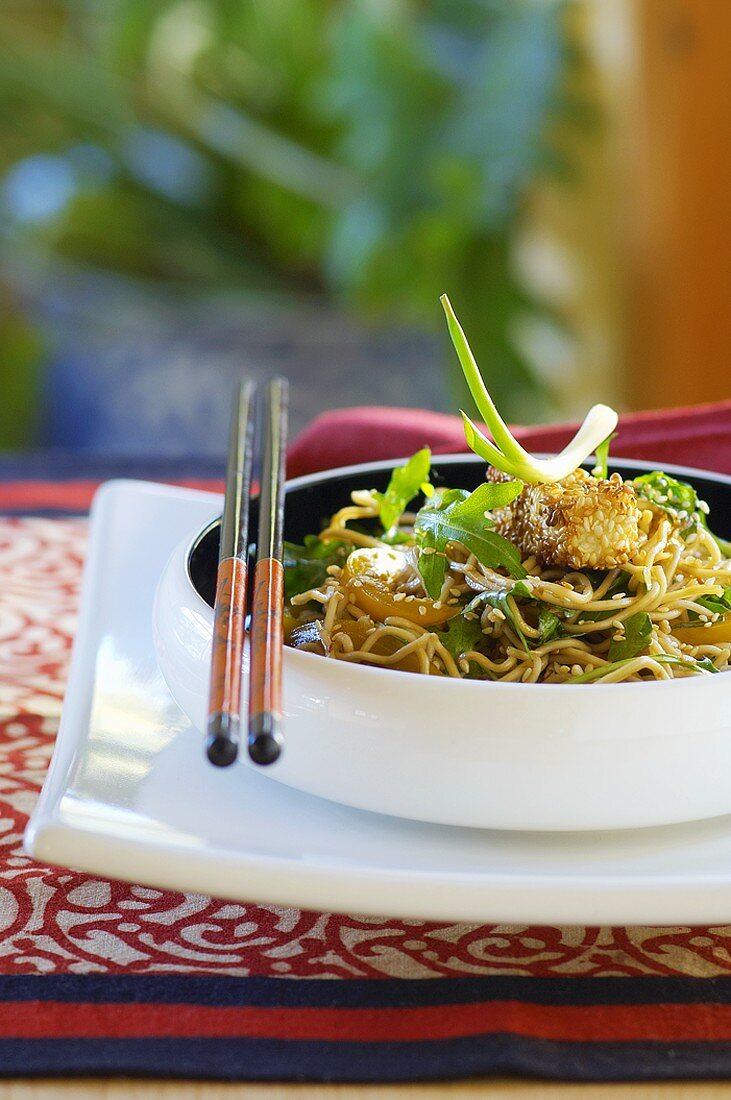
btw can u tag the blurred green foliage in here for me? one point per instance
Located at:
(21, 352)
(374, 151)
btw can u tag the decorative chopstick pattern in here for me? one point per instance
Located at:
(229, 616)
(265, 690)
(265, 677)
(229, 631)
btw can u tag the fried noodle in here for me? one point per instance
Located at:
(669, 573)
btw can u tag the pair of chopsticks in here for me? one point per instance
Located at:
(264, 737)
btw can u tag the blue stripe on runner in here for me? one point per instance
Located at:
(76, 465)
(359, 992)
(42, 513)
(295, 1060)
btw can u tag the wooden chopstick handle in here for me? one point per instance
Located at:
(265, 679)
(224, 708)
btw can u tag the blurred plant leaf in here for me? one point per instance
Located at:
(20, 359)
(376, 153)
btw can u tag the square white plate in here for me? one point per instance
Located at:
(130, 795)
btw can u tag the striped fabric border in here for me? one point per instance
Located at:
(348, 1030)
(70, 498)
(63, 484)
(70, 465)
(365, 1030)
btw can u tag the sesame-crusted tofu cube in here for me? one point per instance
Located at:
(581, 522)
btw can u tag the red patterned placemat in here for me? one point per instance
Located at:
(56, 921)
(102, 976)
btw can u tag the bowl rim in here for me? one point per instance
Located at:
(429, 682)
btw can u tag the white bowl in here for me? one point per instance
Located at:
(474, 753)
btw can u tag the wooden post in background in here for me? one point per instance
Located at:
(680, 211)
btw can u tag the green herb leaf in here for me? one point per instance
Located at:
(602, 457)
(619, 584)
(460, 636)
(668, 493)
(457, 516)
(395, 537)
(704, 665)
(549, 626)
(679, 499)
(432, 564)
(717, 605)
(306, 566)
(637, 632)
(500, 601)
(406, 482)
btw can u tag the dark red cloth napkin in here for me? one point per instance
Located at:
(698, 436)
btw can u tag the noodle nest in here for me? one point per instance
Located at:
(589, 611)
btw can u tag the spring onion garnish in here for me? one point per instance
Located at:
(505, 453)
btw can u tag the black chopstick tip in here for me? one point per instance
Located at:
(265, 739)
(222, 743)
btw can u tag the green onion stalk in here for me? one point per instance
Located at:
(503, 451)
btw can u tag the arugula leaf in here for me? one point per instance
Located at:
(499, 600)
(549, 626)
(395, 537)
(433, 568)
(406, 482)
(619, 584)
(638, 629)
(602, 457)
(306, 566)
(455, 515)
(460, 636)
(706, 663)
(677, 498)
(703, 665)
(432, 563)
(717, 605)
(668, 493)
(637, 632)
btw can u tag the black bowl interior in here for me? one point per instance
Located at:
(308, 507)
